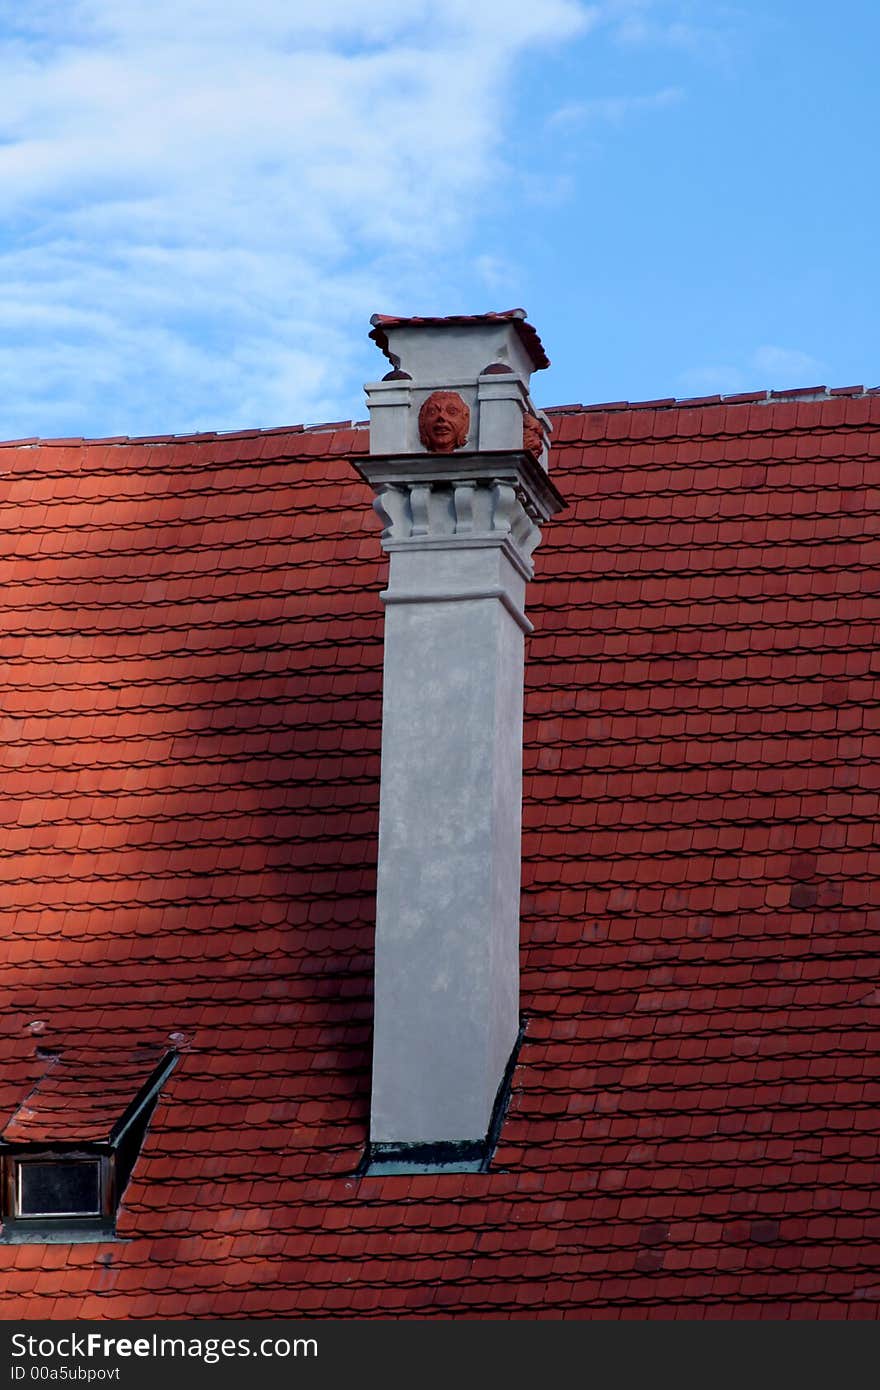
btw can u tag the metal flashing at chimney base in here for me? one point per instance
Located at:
(388, 1160)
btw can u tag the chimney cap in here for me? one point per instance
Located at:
(527, 334)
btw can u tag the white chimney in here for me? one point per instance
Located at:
(458, 462)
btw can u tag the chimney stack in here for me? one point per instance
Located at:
(458, 462)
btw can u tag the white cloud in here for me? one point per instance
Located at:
(704, 28)
(785, 366)
(614, 110)
(768, 367)
(500, 276)
(205, 201)
(717, 380)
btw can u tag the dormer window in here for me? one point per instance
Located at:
(57, 1194)
(68, 1151)
(58, 1186)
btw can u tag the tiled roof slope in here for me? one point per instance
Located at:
(190, 721)
(83, 1094)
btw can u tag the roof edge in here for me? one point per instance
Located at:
(798, 395)
(206, 437)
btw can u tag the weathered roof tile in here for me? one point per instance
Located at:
(191, 703)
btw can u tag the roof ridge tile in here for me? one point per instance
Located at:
(807, 394)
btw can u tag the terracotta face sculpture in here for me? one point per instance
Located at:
(533, 438)
(444, 421)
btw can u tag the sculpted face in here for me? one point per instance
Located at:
(533, 438)
(444, 421)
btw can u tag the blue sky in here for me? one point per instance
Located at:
(203, 203)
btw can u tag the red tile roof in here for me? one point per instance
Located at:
(527, 333)
(191, 685)
(83, 1094)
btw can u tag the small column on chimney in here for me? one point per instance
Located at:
(459, 465)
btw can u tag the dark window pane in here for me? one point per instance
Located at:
(60, 1188)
